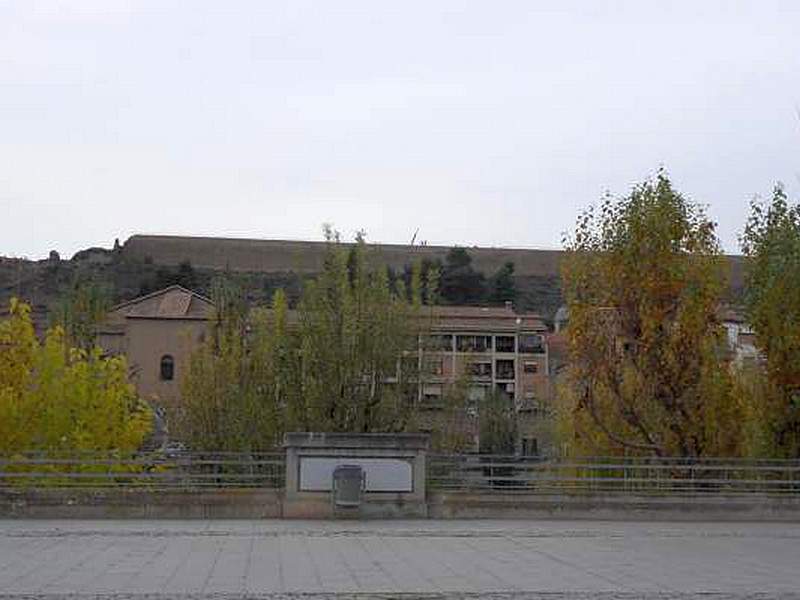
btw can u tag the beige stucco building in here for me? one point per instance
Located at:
(156, 333)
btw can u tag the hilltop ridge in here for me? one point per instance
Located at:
(147, 261)
(241, 254)
(263, 255)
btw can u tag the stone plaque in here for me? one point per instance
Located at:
(382, 474)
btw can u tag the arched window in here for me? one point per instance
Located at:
(167, 368)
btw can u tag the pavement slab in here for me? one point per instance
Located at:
(438, 560)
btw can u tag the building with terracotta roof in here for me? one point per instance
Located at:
(157, 333)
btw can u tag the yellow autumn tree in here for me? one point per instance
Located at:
(56, 398)
(643, 280)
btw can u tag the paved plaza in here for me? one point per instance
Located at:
(432, 559)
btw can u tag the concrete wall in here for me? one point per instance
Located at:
(140, 504)
(264, 504)
(306, 257)
(613, 507)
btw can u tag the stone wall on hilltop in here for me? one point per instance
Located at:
(305, 257)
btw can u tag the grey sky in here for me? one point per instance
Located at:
(488, 123)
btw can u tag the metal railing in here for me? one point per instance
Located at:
(613, 475)
(155, 471)
(461, 472)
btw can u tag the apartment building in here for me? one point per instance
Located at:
(494, 350)
(740, 337)
(498, 354)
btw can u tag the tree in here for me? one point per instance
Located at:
(460, 283)
(58, 398)
(358, 347)
(643, 281)
(184, 275)
(498, 424)
(80, 310)
(503, 287)
(771, 244)
(345, 360)
(232, 390)
(422, 274)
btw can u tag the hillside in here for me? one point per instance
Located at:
(306, 257)
(146, 262)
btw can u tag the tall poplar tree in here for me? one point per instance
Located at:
(643, 281)
(233, 388)
(771, 244)
(358, 346)
(346, 359)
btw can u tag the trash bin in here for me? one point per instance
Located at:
(348, 483)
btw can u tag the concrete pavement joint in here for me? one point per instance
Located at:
(515, 595)
(435, 533)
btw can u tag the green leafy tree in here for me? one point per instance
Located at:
(427, 275)
(80, 310)
(498, 420)
(643, 281)
(345, 360)
(771, 244)
(232, 389)
(184, 275)
(460, 283)
(503, 287)
(57, 398)
(453, 425)
(358, 347)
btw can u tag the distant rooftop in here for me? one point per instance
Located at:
(173, 302)
(483, 318)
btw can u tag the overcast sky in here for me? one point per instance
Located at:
(476, 122)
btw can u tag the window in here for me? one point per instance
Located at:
(504, 392)
(476, 393)
(504, 369)
(480, 370)
(440, 342)
(473, 343)
(530, 447)
(409, 367)
(528, 402)
(167, 368)
(531, 344)
(504, 343)
(530, 366)
(434, 366)
(431, 395)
